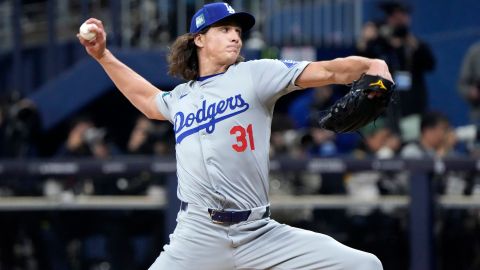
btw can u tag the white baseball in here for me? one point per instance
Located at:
(86, 31)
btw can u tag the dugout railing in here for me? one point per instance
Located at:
(420, 200)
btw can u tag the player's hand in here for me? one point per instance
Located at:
(97, 46)
(379, 68)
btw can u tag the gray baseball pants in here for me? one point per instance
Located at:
(198, 243)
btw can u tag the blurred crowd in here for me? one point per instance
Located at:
(409, 129)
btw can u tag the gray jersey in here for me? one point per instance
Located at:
(222, 131)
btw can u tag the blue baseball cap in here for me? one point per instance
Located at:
(215, 12)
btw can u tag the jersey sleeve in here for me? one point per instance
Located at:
(164, 102)
(274, 78)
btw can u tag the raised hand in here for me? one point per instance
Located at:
(97, 46)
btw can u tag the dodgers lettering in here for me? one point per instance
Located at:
(211, 114)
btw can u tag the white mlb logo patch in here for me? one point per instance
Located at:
(289, 63)
(200, 20)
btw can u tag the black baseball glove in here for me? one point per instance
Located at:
(356, 108)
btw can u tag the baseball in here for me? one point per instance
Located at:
(86, 31)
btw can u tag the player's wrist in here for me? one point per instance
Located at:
(379, 67)
(104, 56)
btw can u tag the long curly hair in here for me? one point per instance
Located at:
(183, 57)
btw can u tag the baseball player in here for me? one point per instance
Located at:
(221, 117)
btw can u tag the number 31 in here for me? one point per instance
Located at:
(241, 135)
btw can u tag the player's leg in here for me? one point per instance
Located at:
(196, 243)
(269, 245)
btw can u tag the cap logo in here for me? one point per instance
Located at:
(200, 20)
(229, 8)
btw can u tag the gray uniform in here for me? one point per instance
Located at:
(222, 129)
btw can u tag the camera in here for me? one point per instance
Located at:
(94, 135)
(400, 31)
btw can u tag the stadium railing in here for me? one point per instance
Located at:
(420, 201)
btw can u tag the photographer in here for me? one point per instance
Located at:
(408, 57)
(20, 128)
(85, 140)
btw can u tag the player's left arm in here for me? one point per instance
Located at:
(341, 71)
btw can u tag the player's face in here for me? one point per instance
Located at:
(222, 43)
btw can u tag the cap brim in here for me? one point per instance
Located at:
(245, 20)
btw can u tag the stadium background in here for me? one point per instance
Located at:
(48, 83)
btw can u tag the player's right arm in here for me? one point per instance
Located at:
(134, 87)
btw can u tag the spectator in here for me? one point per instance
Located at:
(408, 58)
(382, 223)
(20, 127)
(369, 34)
(304, 111)
(436, 138)
(86, 140)
(469, 82)
(379, 142)
(437, 141)
(20, 131)
(320, 143)
(102, 245)
(309, 104)
(149, 138)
